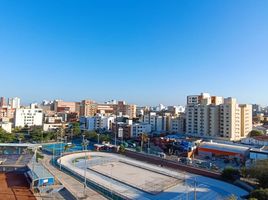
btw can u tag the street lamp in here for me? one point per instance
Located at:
(98, 138)
(148, 145)
(85, 144)
(60, 151)
(120, 134)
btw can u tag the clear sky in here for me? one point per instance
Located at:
(142, 51)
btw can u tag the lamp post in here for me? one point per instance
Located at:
(98, 138)
(85, 144)
(60, 151)
(115, 137)
(120, 134)
(148, 149)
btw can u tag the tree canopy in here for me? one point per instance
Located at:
(260, 194)
(230, 174)
(255, 133)
(6, 137)
(260, 171)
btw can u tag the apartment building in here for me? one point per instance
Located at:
(158, 123)
(91, 108)
(217, 117)
(138, 128)
(88, 108)
(14, 102)
(7, 126)
(28, 117)
(177, 124)
(97, 122)
(67, 107)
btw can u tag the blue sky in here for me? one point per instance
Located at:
(142, 51)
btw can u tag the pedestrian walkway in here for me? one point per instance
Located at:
(75, 187)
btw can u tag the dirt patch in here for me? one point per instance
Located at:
(14, 186)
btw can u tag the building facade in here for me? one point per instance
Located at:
(28, 117)
(216, 117)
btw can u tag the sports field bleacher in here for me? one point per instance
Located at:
(15, 155)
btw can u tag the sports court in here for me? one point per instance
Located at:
(15, 186)
(148, 181)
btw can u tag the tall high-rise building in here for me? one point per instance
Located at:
(14, 102)
(216, 117)
(88, 108)
(2, 102)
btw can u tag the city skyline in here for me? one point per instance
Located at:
(139, 52)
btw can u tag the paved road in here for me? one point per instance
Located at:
(75, 187)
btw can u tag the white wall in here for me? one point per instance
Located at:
(29, 117)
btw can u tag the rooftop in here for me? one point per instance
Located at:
(224, 147)
(39, 171)
(261, 138)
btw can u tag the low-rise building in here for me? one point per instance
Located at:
(139, 128)
(259, 153)
(97, 122)
(258, 140)
(213, 149)
(53, 126)
(7, 126)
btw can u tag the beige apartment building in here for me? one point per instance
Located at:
(217, 117)
(90, 108)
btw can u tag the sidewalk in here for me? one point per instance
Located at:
(75, 187)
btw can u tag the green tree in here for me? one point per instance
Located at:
(36, 134)
(122, 149)
(6, 137)
(260, 194)
(105, 138)
(91, 135)
(255, 133)
(260, 171)
(20, 137)
(75, 128)
(230, 174)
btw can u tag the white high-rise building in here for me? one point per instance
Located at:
(14, 102)
(216, 117)
(158, 123)
(28, 117)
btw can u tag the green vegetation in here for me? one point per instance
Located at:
(259, 171)
(67, 147)
(75, 128)
(260, 194)
(92, 135)
(230, 174)
(122, 149)
(254, 133)
(39, 156)
(6, 137)
(38, 135)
